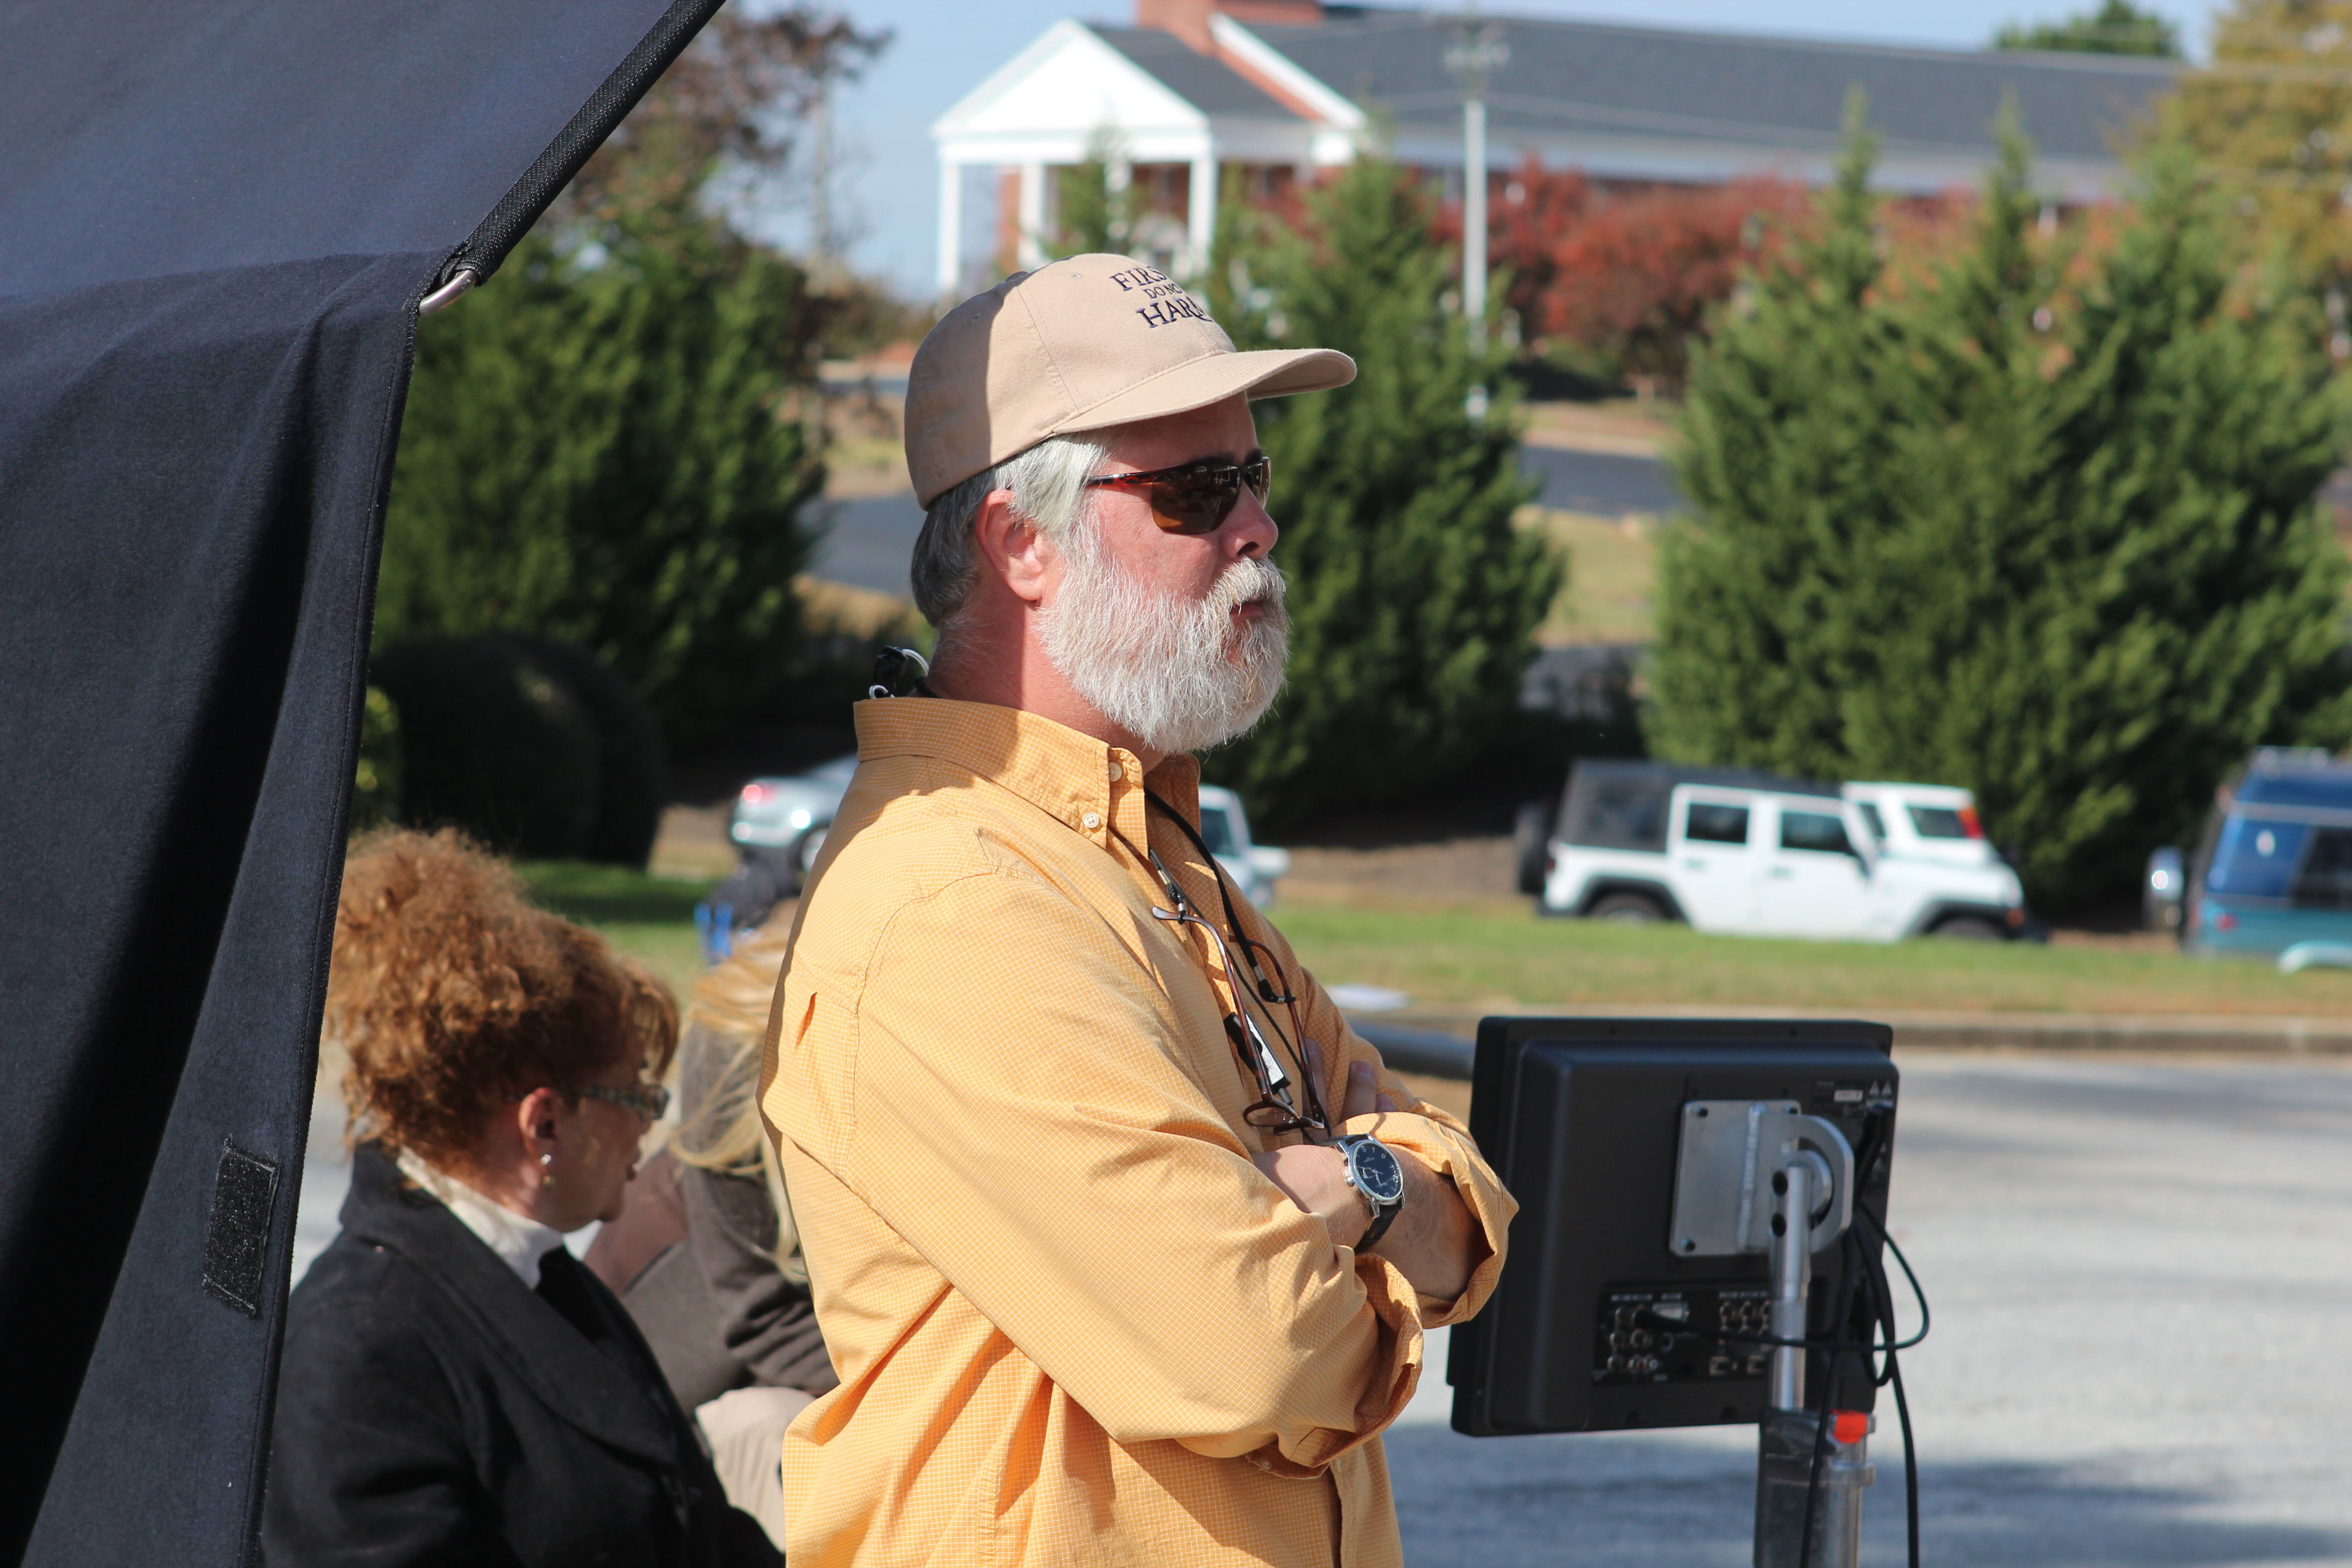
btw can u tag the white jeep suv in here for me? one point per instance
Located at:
(1753, 853)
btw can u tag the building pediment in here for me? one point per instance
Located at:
(1072, 82)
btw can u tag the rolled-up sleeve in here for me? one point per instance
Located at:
(1430, 1135)
(1021, 1116)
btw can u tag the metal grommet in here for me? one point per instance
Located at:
(446, 294)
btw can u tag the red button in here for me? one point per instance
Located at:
(1849, 1425)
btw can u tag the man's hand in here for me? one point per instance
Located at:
(1431, 1238)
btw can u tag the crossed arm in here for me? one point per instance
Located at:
(1434, 1242)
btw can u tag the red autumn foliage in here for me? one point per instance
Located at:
(1629, 273)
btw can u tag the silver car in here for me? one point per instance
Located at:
(785, 819)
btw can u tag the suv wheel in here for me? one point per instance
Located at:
(1627, 910)
(1971, 928)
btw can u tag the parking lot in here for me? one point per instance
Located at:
(2141, 1271)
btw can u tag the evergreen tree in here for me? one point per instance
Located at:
(1090, 216)
(599, 443)
(2117, 27)
(2052, 539)
(593, 451)
(1414, 599)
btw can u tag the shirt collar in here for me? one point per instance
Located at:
(1067, 775)
(518, 1241)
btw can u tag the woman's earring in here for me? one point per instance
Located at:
(547, 1168)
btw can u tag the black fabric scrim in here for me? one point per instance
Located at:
(218, 218)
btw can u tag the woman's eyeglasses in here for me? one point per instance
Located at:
(647, 1099)
(1198, 497)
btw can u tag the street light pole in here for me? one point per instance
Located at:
(821, 185)
(1479, 52)
(1474, 219)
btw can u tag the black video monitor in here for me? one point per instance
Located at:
(1582, 1118)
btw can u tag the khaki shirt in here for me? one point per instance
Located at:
(1074, 1324)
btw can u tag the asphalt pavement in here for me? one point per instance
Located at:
(867, 540)
(2141, 1275)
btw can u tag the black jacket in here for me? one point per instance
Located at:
(432, 1408)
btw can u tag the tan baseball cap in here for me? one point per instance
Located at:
(1083, 343)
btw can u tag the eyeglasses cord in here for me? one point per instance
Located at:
(1267, 995)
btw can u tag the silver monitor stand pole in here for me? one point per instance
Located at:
(1789, 1434)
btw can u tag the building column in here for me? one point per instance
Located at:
(950, 252)
(1029, 248)
(1201, 220)
(1119, 177)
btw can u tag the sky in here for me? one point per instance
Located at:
(886, 189)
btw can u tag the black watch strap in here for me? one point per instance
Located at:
(1383, 1214)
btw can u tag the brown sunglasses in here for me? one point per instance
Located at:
(1198, 497)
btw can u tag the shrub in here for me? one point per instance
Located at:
(375, 781)
(1628, 278)
(528, 744)
(632, 767)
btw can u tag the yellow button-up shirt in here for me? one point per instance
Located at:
(1074, 1323)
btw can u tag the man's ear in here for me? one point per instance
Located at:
(1011, 547)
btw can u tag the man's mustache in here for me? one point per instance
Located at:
(1250, 582)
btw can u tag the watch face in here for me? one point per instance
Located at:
(1377, 1173)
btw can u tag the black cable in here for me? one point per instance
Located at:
(1864, 1271)
(1883, 1297)
(1910, 1460)
(1849, 1280)
(1918, 1294)
(1649, 1319)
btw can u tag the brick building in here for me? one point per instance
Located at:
(1280, 88)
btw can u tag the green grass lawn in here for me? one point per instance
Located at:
(652, 917)
(1613, 574)
(1499, 957)
(1504, 958)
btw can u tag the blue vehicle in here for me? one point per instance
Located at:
(2272, 875)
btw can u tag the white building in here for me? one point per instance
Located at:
(1280, 88)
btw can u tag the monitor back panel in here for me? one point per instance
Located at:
(1580, 1116)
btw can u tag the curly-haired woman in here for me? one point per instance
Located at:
(455, 1387)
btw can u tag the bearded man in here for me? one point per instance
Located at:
(1122, 1242)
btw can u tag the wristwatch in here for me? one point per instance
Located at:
(1373, 1171)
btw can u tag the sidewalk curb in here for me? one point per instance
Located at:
(1417, 1041)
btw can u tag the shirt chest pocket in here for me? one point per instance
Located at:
(812, 1094)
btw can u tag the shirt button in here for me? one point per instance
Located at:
(1092, 821)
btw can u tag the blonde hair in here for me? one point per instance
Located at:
(452, 992)
(725, 1134)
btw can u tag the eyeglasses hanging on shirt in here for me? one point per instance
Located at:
(1275, 1111)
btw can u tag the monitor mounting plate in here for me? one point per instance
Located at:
(1729, 1152)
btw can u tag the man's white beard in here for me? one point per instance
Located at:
(1178, 674)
